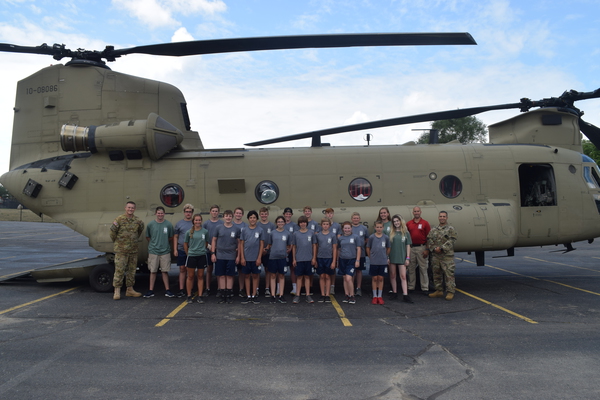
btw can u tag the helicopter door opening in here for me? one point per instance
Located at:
(539, 211)
(592, 178)
(538, 186)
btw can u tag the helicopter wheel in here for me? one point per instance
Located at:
(101, 278)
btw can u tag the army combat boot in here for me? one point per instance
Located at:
(437, 293)
(449, 296)
(117, 295)
(132, 293)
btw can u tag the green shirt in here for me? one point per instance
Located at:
(196, 242)
(398, 247)
(160, 235)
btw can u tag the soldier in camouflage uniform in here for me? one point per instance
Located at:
(440, 242)
(125, 232)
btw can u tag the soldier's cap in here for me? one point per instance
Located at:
(288, 210)
(329, 210)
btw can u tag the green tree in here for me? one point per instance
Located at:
(590, 150)
(465, 130)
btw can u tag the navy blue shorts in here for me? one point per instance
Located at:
(181, 258)
(324, 266)
(251, 268)
(265, 260)
(278, 266)
(304, 268)
(347, 266)
(196, 262)
(361, 266)
(225, 268)
(378, 270)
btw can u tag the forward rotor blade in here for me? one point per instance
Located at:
(591, 131)
(298, 42)
(451, 114)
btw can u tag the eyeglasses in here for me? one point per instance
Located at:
(188, 211)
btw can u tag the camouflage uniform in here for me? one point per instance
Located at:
(442, 263)
(125, 233)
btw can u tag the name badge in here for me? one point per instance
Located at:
(165, 230)
(329, 240)
(352, 240)
(232, 234)
(256, 235)
(284, 237)
(382, 244)
(309, 239)
(203, 237)
(420, 226)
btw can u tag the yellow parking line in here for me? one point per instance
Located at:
(36, 301)
(539, 279)
(172, 314)
(557, 263)
(498, 307)
(340, 312)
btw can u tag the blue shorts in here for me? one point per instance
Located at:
(225, 268)
(347, 266)
(378, 270)
(278, 266)
(196, 262)
(324, 266)
(361, 266)
(304, 268)
(251, 268)
(181, 258)
(265, 259)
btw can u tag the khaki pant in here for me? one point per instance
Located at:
(416, 258)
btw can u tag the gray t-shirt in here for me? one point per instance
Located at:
(180, 229)
(378, 249)
(304, 244)
(227, 242)
(251, 238)
(325, 243)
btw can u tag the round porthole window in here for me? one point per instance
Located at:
(450, 186)
(360, 189)
(171, 195)
(266, 192)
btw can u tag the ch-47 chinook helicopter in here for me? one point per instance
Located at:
(87, 139)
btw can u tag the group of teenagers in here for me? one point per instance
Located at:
(230, 246)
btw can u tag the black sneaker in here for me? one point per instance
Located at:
(393, 296)
(281, 300)
(149, 294)
(247, 300)
(181, 293)
(346, 299)
(168, 293)
(199, 300)
(255, 300)
(222, 300)
(273, 300)
(230, 299)
(407, 299)
(351, 300)
(327, 299)
(189, 300)
(322, 299)
(206, 293)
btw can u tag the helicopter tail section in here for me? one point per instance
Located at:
(83, 95)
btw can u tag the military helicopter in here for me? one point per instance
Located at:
(87, 139)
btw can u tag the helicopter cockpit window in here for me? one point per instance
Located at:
(451, 186)
(591, 177)
(171, 195)
(537, 185)
(360, 189)
(266, 192)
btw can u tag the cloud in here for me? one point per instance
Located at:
(160, 13)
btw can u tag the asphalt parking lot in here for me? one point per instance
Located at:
(520, 327)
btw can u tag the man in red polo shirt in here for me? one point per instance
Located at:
(419, 229)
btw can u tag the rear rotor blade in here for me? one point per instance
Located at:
(460, 113)
(298, 42)
(591, 131)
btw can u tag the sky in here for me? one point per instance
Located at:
(534, 49)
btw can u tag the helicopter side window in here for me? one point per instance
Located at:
(451, 186)
(266, 192)
(171, 195)
(537, 185)
(360, 189)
